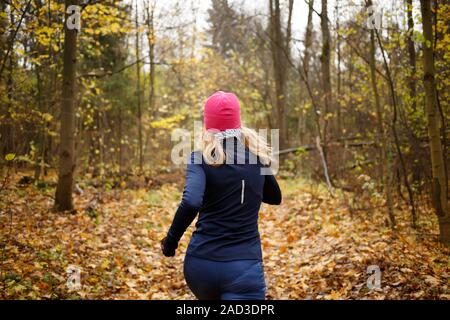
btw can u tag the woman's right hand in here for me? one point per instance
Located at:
(167, 249)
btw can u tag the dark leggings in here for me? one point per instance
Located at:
(225, 280)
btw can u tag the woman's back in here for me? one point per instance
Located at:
(227, 227)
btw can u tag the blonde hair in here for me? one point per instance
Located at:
(214, 154)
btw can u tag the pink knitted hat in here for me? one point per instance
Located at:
(222, 111)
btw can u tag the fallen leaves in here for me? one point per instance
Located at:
(331, 253)
(313, 249)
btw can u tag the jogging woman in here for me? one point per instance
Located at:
(225, 183)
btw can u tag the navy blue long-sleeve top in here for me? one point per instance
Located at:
(228, 198)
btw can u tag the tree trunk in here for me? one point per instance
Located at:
(41, 131)
(3, 26)
(279, 64)
(305, 66)
(439, 183)
(151, 51)
(384, 168)
(411, 53)
(8, 129)
(63, 197)
(416, 170)
(308, 39)
(338, 94)
(326, 78)
(10, 145)
(138, 89)
(120, 142)
(325, 68)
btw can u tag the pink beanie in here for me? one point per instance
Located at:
(222, 111)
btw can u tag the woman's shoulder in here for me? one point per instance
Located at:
(195, 157)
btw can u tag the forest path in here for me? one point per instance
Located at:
(313, 248)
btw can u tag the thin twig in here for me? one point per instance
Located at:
(13, 38)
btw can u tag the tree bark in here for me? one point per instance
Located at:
(305, 66)
(338, 93)
(42, 129)
(280, 71)
(63, 197)
(10, 145)
(325, 79)
(151, 51)
(325, 68)
(138, 89)
(416, 170)
(308, 39)
(439, 183)
(384, 168)
(411, 53)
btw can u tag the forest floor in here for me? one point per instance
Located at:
(314, 247)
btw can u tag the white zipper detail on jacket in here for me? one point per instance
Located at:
(242, 192)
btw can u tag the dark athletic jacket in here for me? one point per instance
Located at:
(228, 198)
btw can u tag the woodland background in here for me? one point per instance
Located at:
(85, 140)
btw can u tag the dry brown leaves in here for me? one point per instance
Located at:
(313, 248)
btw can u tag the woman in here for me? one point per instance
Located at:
(226, 185)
